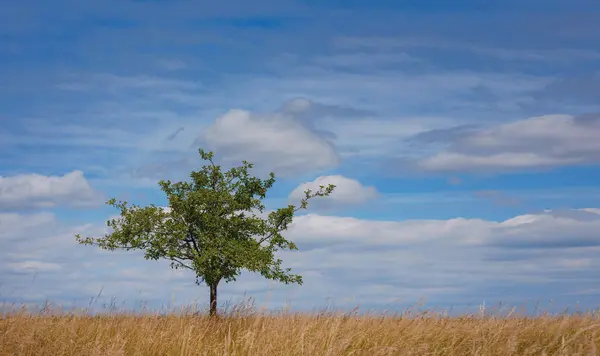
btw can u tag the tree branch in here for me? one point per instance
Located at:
(276, 228)
(181, 263)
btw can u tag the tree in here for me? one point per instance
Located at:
(212, 226)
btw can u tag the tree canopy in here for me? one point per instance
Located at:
(215, 225)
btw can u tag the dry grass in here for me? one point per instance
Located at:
(250, 333)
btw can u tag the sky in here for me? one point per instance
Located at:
(463, 137)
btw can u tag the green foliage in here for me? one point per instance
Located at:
(214, 225)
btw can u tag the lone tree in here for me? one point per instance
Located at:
(212, 226)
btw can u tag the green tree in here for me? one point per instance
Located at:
(212, 226)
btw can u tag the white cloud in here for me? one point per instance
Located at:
(537, 142)
(347, 190)
(39, 245)
(275, 142)
(38, 191)
(439, 259)
(340, 257)
(332, 230)
(547, 229)
(15, 226)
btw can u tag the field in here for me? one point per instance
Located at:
(247, 332)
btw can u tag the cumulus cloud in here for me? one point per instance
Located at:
(340, 257)
(347, 191)
(273, 141)
(550, 229)
(15, 227)
(289, 140)
(332, 230)
(39, 191)
(547, 229)
(537, 142)
(38, 244)
(456, 259)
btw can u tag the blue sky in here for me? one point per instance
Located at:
(464, 138)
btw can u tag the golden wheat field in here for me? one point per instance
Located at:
(286, 333)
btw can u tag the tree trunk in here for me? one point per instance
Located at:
(213, 299)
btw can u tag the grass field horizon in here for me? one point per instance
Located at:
(244, 329)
